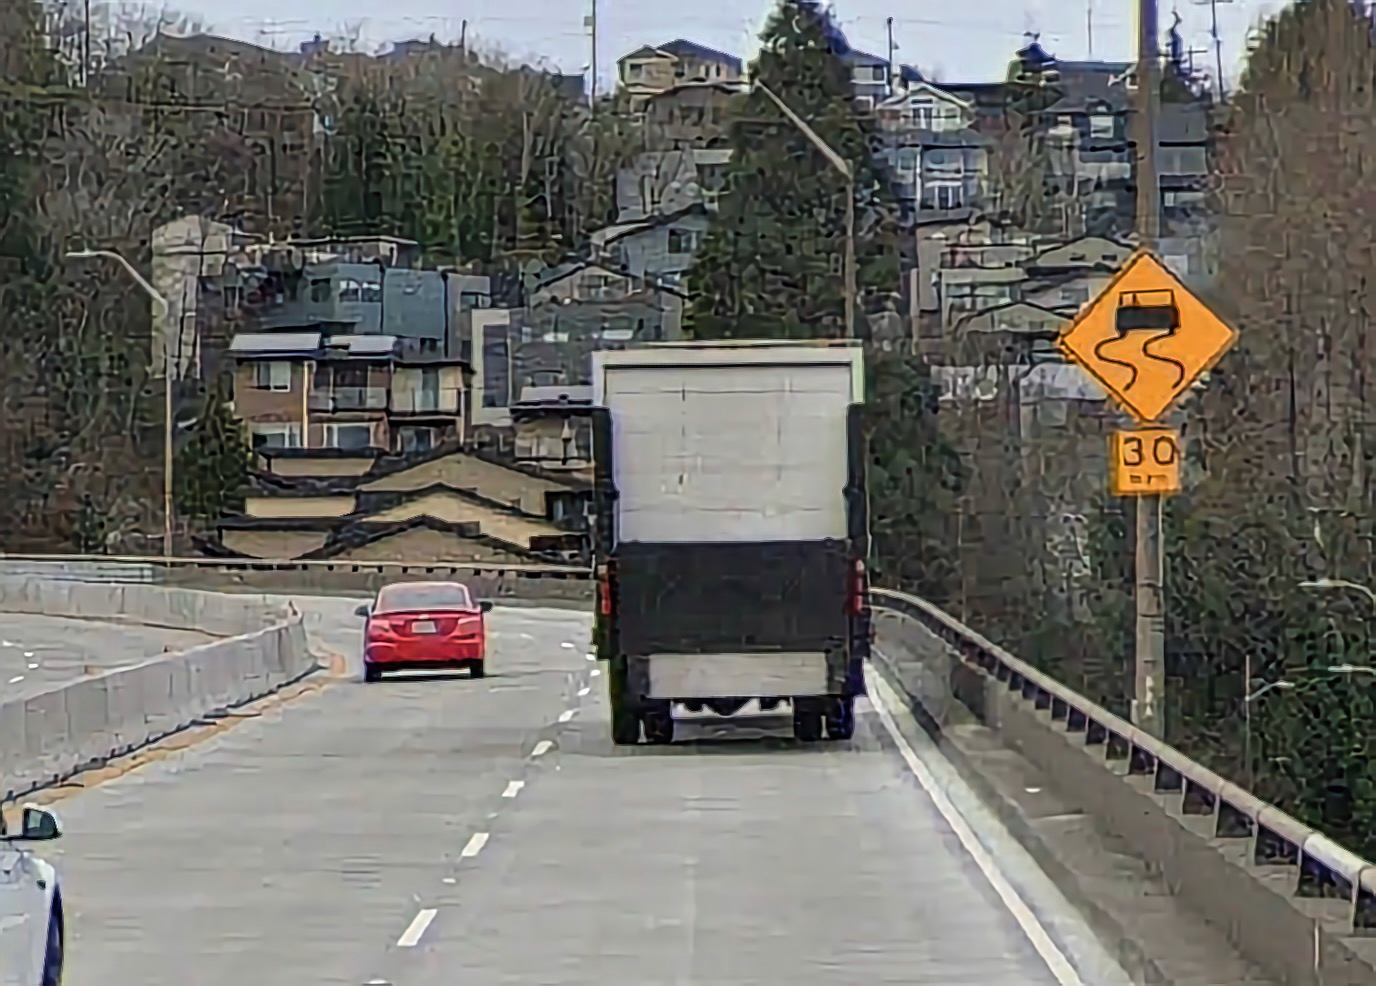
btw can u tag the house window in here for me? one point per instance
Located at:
(635, 71)
(274, 375)
(363, 291)
(1075, 294)
(924, 116)
(320, 290)
(864, 103)
(348, 436)
(874, 73)
(411, 440)
(1101, 125)
(276, 436)
(908, 163)
(944, 194)
(683, 241)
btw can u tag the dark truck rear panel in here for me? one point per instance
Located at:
(731, 598)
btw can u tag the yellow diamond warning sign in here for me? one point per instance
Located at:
(1146, 338)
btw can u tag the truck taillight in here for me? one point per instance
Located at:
(855, 601)
(604, 590)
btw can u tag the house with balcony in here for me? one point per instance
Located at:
(936, 159)
(553, 428)
(690, 114)
(653, 69)
(364, 285)
(1090, 166)
(310, 389)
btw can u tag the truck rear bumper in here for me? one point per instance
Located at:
(683, 676)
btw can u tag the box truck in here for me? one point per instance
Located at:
(731, 532)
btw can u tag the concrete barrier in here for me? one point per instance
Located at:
(52, 735)
(48, 737)
(212, 613)
(1289, 899)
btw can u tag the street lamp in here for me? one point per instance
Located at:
(161, 310)
(843, 167)
(1283, 684)
(1341, 584)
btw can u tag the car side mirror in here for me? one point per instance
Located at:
(485, 606)
(39, 825)
(362, 611)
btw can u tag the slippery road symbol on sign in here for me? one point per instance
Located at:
(1146, 338)
(1143, 318)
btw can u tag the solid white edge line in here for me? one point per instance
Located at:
(541, 748)
(475, 845)
(1050, 952)
(411, 936)
(513, 788)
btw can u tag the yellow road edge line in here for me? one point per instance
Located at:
(333, 671)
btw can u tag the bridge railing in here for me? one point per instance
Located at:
(1313, 866)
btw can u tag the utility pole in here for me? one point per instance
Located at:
(592, 30)
(1218, 48)
(1149, 692)
(889, 24)
(1089, 27)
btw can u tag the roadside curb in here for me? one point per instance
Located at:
(1127, 950)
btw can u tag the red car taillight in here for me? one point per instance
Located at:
(855, 600)
(604, 590)
(381, 627)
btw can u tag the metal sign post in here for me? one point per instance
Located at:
(1146, 339)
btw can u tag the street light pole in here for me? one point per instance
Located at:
(161, 310)
(843, 167)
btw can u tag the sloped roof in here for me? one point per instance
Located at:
(683, 48)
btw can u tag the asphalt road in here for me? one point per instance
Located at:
(431, 832)
(38, 652)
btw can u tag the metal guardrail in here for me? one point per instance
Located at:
(79, 571)
(129, 568)
(1317, 866)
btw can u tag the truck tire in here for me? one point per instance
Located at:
(840, 718)
(659, 726)
(624, 712)
(625, 723)
(807, 720)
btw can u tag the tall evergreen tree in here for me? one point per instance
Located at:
(212, 466)
(771, 265)
(771, 268)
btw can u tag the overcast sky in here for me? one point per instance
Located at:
(960, 42)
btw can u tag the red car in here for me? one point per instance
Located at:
(416, 625)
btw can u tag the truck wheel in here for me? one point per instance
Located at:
(807, 720)
(840, 718)
(659, 727)
(625, 723)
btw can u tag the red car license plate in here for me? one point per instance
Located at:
(423, 626)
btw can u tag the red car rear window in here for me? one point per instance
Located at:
(421, 597)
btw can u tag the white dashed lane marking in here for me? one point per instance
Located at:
(541, 748)
(566, 715)
(583, 691)
(475, 845)
(411, 936)
(513, 789)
